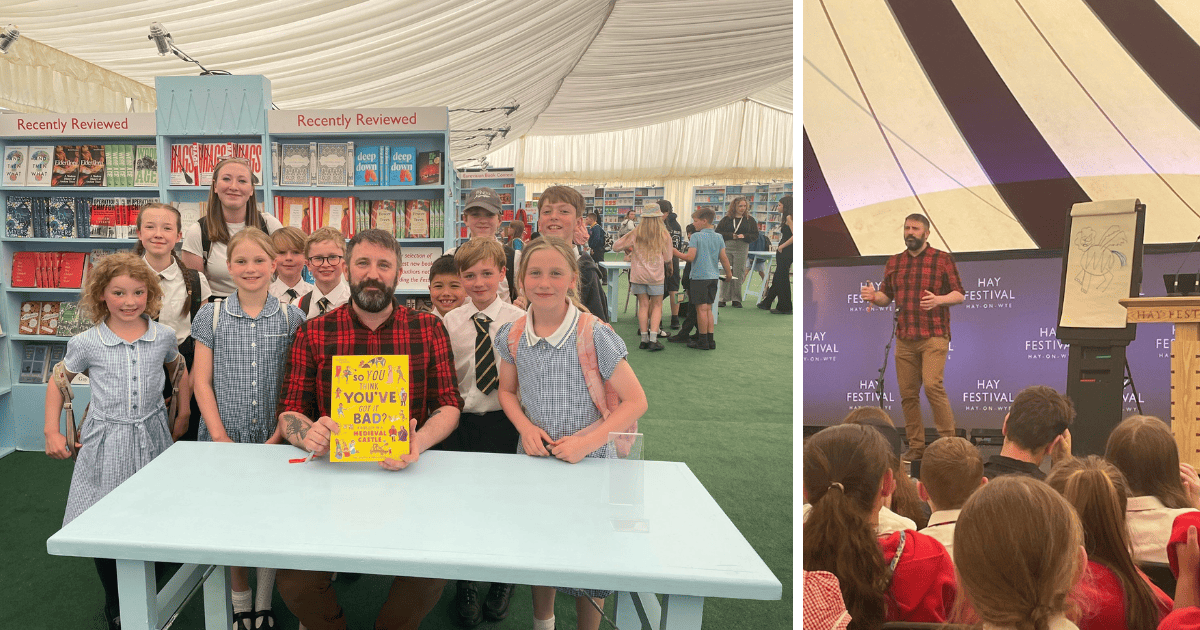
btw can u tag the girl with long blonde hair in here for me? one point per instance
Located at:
(650, 263)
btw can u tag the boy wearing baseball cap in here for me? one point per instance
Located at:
(482, 217)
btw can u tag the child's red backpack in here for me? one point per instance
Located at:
(603, 394)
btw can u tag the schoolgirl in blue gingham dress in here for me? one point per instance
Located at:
(553, 391)
(248, 354)
(126, 422)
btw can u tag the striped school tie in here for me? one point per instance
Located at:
(486, 378)
(322, 306)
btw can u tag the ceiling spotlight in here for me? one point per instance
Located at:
(8, 37)
(162, 39)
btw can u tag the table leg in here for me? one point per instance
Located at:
(218, 603)
(637, 610)
(681, 612)
(138, 594)
(614, 285)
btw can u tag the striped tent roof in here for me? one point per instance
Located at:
(993, 118)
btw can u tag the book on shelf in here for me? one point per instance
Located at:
(416, 218)
(334, 164)
(48, 322)
(18, 216)
(402, 166)
(429, 168)
(369, 400)
(312, 163)
(57, 352)
(145, 165)
(66, 166)
(72, 268)
(41, 166)
(35, 363)
(185, 164)
(71, 320)
(61, 220)
(366, 165)
(91, 165)
(210, 153)
(294, 212)
(102, 223)
(333, 212)
(276, 163)
(16, 165)
(294, 165)
(383, 216)
(506, 198)
(29, 318)
(251, 152)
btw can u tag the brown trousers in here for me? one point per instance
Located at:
(310, 596)
(923, 362)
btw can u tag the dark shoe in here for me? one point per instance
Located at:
(495, 606)
(712, 344)
(697, 344)
(737, 305)
(243, 620)
(680, 338)
(721, 303)
(779, 312)
(264, 620)
(764, 306)
(705, 344)
(467, 611)
(643, 345)
(674, 322)
(656, 346)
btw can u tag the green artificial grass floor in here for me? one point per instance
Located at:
(726, 413)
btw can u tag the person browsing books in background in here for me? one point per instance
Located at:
(126, 424)
(231, 206)
(483, 426)
(705, 249)
(739, 229)
(289, 282)
(482, 216)
(628, 224)
(325, 251)
(650, 263)
(560, 213)
(544, 387)
(595, 237)
(240, 346)
(514, 231)
(445, 287)
(184, 290)
(375, 324)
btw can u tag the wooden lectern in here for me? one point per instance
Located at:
(1184, 312)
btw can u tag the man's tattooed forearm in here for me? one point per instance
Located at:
(295, 427)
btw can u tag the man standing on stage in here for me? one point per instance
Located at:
(925, 284)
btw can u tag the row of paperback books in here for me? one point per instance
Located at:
(114, 165)
(192, 164)
(58, 319)
(54, 270)
(72, 217)
(342, 164)
(412, 218)
(37, 360)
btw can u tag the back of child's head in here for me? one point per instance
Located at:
(320, 235)
(1144, 450)
(559, 246)
(705, 214)
(288, 239)
(844, 470)
(1016, 552)
(906, 500)
(665, 206)
(477, 250)
(1038, 415)
(1098, 492)
(649, 235)
(252, 235)
(951, 470)
(92, 302)
(786, 202)
(562, 194)
(444, 265)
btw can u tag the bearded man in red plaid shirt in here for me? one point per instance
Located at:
(924, 283)
(371, 323)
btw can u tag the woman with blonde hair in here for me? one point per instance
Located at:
(650, 263)
(1114, 594)
(739, 228)
(1160, 487)
(1018, 551)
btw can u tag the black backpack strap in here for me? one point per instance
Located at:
(205, 243)
(191, 280)
(305, 300)
(510, 255)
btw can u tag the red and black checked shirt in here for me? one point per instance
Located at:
(905, 280)
(433, 381)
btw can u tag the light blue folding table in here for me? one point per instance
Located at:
(614, 269)
(215, 505)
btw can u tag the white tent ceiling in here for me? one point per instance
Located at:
(573, 67)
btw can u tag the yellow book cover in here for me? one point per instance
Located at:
(369, 401)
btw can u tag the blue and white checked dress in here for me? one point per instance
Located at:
(248, 356)
(126, 422)
(553, 391)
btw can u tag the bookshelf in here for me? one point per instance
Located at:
(613, 203)
(201, 110)
(762, 199)
(503, 181)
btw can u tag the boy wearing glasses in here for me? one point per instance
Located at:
(324, 254)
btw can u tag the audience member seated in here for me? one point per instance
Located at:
(1036, 425)
(951, 470)
(1160, 488)
(1184, 554)
(905, 576)
(905, 509)
(1114, 594)
(822, 602)
(1018, 548)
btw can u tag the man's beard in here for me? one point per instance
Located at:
(372, 302)
(913, 243)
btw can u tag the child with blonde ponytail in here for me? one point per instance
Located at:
(650, 264)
